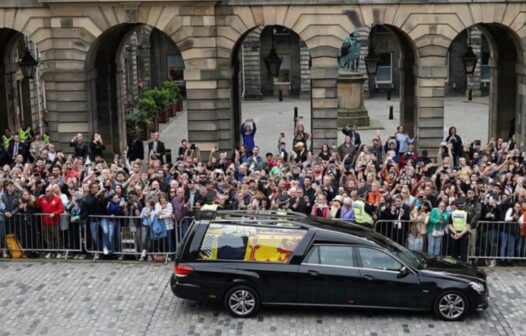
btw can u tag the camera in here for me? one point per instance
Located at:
(193, 147)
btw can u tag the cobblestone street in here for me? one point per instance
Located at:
(47, 298)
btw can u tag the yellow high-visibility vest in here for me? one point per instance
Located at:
(459, 219)
(6, 141)
(24, 134)
(360, 216)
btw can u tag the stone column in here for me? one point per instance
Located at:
(493, 101)
(364, 50)
(473, 81)
(251, 65)
(8, 99)
(304, 70)
(430, 78)
(324, 104)
(144, 65)
(520, 118)
(66, 94)
(407, 94)
(505, 96)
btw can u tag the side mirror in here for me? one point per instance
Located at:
(403, 272)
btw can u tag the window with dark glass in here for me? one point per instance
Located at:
(376, 259)
(384, 74)
(331, 255)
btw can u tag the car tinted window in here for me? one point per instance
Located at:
(331, 255)
(313, 257)
(249, 243)
(376, 259)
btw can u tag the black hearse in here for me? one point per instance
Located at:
(247, 260)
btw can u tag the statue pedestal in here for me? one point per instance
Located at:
(351, 109)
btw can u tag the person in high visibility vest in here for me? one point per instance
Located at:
(363, 212)
(6, 138)
(25, 133)
(459, 230)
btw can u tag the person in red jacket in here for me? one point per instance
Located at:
(51, 208)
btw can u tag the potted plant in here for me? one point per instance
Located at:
(154, 107)
(137, 123)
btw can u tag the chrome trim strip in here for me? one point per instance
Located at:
(351, 267)
(339, 305)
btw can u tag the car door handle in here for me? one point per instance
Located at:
(368, 277)
(313, 273)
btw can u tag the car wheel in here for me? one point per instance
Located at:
(451, 306)
(242, 301)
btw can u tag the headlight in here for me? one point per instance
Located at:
(477, 287)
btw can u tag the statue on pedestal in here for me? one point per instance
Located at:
(351, 108)
(350, 53)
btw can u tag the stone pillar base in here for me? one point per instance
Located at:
(253, 97)
(351, 109)
(358, 117)
(474, 93)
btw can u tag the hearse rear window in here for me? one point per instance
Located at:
(249, 243)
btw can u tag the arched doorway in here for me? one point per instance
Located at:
(21, 98)
(392, 84)
(123, 62)
(490, 103)
(271, 100)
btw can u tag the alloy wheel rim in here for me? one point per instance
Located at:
(242, 302)
(451, 306)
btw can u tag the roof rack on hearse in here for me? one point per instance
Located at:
(265, 217)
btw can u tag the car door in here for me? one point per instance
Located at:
(382, 283)
(328, 276)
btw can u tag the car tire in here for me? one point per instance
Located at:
(451, 306)
(242, 301)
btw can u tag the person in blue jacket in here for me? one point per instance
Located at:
(248, 131)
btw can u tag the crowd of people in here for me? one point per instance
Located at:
(470, 197)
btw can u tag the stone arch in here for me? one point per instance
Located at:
(106, 84)
(319, 28)
(323, 30)
(506, 101)
(16, 92)
(407, 63)
(235, 80)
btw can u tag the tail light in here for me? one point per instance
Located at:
(182, 270)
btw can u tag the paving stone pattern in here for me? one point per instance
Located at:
(68, 298)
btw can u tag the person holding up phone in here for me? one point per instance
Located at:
(96, 147)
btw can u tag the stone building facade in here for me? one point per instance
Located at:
(388, 77)
(81, 39)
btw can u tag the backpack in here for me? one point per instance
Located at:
(14, 246)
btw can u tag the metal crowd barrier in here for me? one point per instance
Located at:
(130, 236)
(32, 235)
(497, 240)
(433, 243)
(25, 235)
